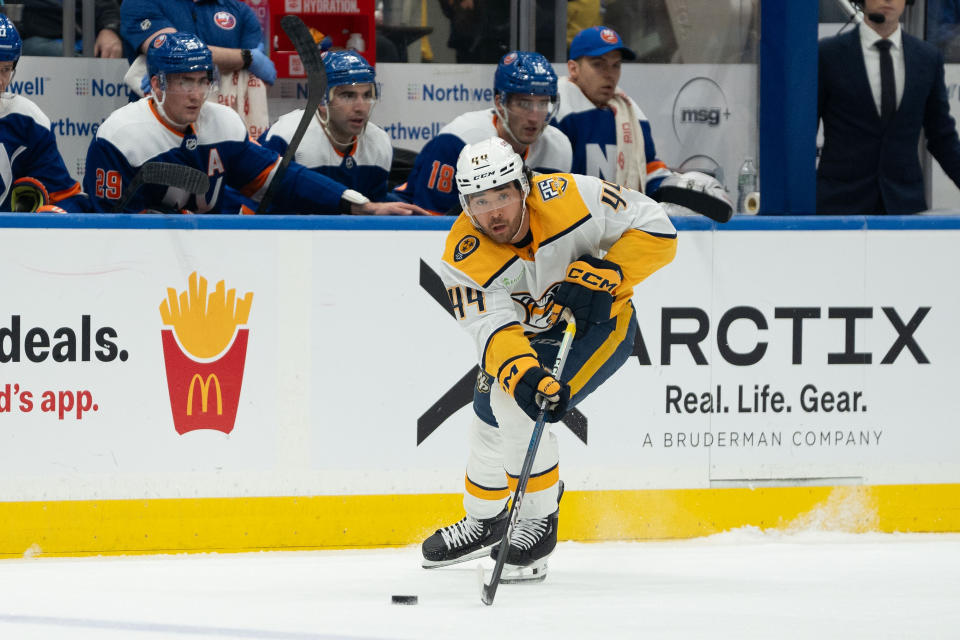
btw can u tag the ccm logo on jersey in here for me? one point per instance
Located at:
(465, 247)
(552, 188)
(590, 279)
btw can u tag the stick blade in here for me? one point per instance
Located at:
(176, 175)
(487, 594)
(166, 174)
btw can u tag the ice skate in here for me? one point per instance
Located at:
(465, 540)
(532, 573)
(532, 540)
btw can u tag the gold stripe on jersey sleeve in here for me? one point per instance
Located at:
(508, 354)
(639, 254)
(474, 254)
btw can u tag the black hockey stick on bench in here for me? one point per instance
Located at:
(489, 591)
(312, 61)
(164, 173)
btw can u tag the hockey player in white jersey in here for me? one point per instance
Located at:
(33, 176)
(611, 136)
(523, 248)
(525, 100)
(176, 123)
(341, 142)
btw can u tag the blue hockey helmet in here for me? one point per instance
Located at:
(178, 52)
(10, 43)
(525, 72)
(348, 67)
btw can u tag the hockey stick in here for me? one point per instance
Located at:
(489, 591)
(312, 61)
(164, 173)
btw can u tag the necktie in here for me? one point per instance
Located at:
(888, 88)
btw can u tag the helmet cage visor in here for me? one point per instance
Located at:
(489, 200)
(179, 83)
(526, 103)
(367, 92)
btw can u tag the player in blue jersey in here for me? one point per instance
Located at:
(341, 142)
(229, 27)
(176, 124)
(525, 99)
(610, 135)
(32, 173)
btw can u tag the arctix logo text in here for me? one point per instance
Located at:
(845, 319)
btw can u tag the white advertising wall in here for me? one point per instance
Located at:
(766, 358)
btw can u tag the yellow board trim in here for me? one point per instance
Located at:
(102, 527)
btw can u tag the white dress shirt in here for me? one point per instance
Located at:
(871, 57)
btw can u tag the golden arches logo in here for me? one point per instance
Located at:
(204, 393)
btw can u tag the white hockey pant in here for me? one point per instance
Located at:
(540, 499)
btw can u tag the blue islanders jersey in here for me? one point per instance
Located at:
(364, 168)
(219, 23)
(217, 144)
(431, 184)
(592, 134)
(28, 149)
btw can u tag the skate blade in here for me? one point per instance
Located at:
(436, 564)
(515, 574)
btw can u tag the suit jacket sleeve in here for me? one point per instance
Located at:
(940, 127)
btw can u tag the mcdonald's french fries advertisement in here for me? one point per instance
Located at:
(204, 351)
(182, 363)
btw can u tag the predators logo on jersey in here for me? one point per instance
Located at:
(465, 247)
(552, 187)
(542, 313)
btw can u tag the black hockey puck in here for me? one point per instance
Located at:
(403, 599)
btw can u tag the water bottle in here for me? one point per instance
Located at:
(746, 185)
(355, 42)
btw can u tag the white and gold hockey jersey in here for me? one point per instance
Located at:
(502, 292)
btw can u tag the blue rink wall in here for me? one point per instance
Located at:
(200, 383)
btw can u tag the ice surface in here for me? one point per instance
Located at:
(741, 584)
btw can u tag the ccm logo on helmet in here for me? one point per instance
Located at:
(592, 279)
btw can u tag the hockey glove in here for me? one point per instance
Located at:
(589, 290)
(28, 195)
(262, 67)
(537, 385)
(699, 192)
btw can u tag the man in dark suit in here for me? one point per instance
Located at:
(877, 87)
